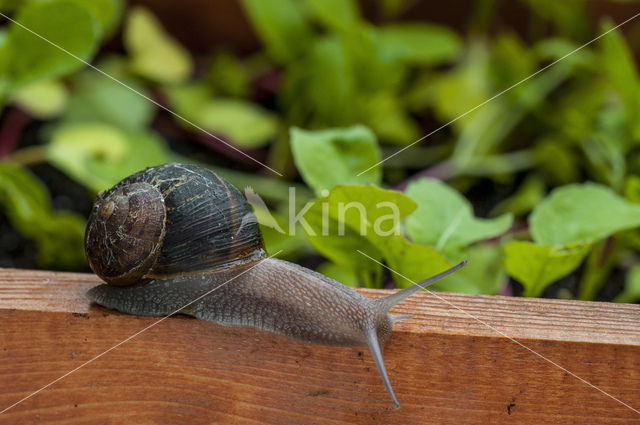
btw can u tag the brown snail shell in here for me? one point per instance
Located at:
(170, 220)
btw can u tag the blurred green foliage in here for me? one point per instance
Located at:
(451, 227)
(26, 203)
(346, 152)
(348, 94)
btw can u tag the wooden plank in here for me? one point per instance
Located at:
(446, 367)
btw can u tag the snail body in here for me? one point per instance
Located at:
(179, 238)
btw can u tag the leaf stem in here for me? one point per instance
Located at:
(28, 156)
(597, 268)
(15, 121)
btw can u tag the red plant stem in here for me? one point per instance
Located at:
(267, 84)
(507, 289)
(606, 250)
(15, 121)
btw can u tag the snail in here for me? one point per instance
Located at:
(179, 238)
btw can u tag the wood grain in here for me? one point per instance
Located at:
(446, 367)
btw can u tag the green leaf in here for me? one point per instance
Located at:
(330, 85)
(63, 23)
(484, 274)
(464, 87)
(574, 126)
(617, 61)
(355, 219)
(246, 124)
(99, 155)
(97, 98)
(371, 71)
(228, 76)
(388, 118)
(341, 246)
(5, 83)
(9, 6)
(44, 99)
(632, 189)
(24, 198)
(496, 165)
(335, 14)
(59, 236)
(482, 132)
(554, 48)
(605, 148)
(154, 53)
(393, 8)
(187, 99)
(537, 266)
(341, 274)
(489, 127)
(444, 219)
(281, 25)
(511, 61)
(3, 39)
(555, 158)
(420, 44)
(61, 244)
(370, 210)
(329, 157)
(107, 12)
(569, 17)
(410, 262)
(580, 213)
